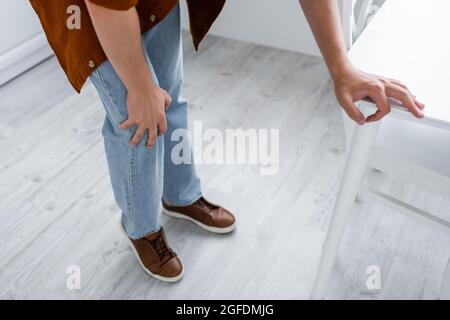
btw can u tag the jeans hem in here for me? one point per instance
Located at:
(133, 236)
(184, 203)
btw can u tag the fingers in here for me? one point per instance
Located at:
(138, 135)
(419, 104)
(162, 127)
(363, 85)
(378, 95)
(149, 109)
(127, 124)
(393, 84)
(403, 86)
(377, 116)
(152, 135)
(406, 98)
(167, 100)
(352, 110)
(140, 131)
(398, 83)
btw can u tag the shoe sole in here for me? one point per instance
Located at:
(218, 230)
(156, 276)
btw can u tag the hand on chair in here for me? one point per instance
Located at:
(352, 85)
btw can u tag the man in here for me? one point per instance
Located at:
(131, 51)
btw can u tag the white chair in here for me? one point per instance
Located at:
(406, 40)
(445, 288)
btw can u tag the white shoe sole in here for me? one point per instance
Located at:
(201, 225)
(156, 276)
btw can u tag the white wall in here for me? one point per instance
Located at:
(18, 22)
(23, 43)
(275, 23)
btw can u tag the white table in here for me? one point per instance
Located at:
(407, 40)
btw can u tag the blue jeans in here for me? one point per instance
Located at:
(141, 177)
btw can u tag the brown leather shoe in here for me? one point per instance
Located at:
(205, 214)
(156, 257)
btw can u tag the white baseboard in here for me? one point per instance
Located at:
(23, 57)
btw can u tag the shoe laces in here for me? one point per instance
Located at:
(205, 205)
(161, 247)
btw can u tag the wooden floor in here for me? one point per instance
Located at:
(57, 207)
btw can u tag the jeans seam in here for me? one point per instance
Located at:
(130, 184)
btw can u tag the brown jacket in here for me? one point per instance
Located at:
(78, 49)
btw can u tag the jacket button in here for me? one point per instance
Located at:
(91, 64)
(153, 18)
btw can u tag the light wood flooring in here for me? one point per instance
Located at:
(57, 207)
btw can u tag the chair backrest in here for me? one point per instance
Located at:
(356, 15)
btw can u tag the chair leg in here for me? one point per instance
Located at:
(349, 128)
(355, 167)
(445, 289)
